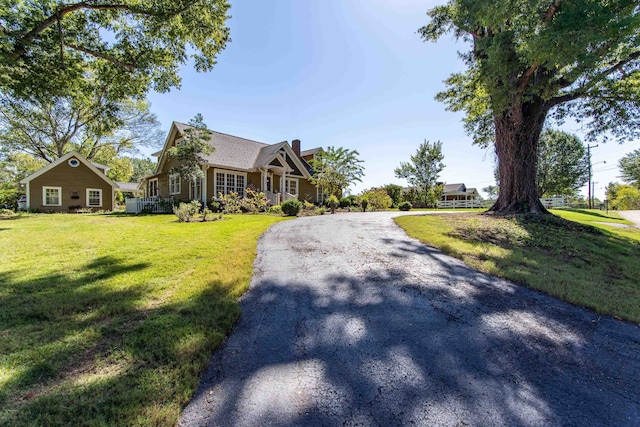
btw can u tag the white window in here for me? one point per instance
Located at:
(227, 182)
(240, 185)
(196, 189)
(52, 196)
(174, 184)
(291, 186)
(94, 197)
(153, 188)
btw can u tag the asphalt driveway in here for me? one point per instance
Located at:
(350, 322)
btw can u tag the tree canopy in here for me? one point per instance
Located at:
(623, 196)
(96, 127)
(630, 168)
(541, 59)
(335, 169)
(49, 47)
(562, 163)
(423, 169)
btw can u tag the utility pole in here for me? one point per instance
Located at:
(589, 147)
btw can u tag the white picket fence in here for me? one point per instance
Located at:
(553, 202)
(148, 204)
(456, 204)
(547, 202)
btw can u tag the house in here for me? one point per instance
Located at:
(458, 192)
(235, 165)
(70, 183)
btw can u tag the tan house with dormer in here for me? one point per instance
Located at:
(235, 165)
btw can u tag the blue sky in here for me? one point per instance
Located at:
(351, 74)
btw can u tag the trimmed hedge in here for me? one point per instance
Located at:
(404, 206)
(291, 207)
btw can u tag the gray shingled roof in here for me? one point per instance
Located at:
(232, 151)
(267, 153)
(449, 188)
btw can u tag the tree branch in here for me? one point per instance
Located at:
(526, 76)
(551, 11)
(583, 91)
(21, 48)
(102, 56)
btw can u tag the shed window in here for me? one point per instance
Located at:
(94, 197)
(51, 196)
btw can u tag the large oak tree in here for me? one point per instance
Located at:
(48, 46)
(535, 60)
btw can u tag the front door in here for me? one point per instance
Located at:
(269, 179)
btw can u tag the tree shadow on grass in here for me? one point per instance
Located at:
(47, 321)
(141, 369)
(392, 348)
(598, 214)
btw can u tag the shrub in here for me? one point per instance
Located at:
(186, 211)
(291, 207)
(404, 206)
(254, 202)
(345, 202)
(230, 203)
(332, 202)
(321, 210)
(308, 206)
(395, 192)
(364, 202)
(275, 210)
(377, 198)
(7, 212)
(215, 206)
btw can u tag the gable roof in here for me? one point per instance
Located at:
(234, 152)
(63, 159)
(450, 188)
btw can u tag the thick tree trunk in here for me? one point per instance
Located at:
(517, 135)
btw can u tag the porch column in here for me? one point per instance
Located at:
(203, 198)
(263, 180)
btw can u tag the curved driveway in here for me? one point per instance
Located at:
(350, 322)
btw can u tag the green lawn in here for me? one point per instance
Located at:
(575, 258)
(108, 319)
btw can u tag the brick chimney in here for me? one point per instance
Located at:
(295, 144)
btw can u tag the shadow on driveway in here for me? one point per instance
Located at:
(415, 338)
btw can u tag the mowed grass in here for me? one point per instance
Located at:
(111, 320)
(592, 265)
